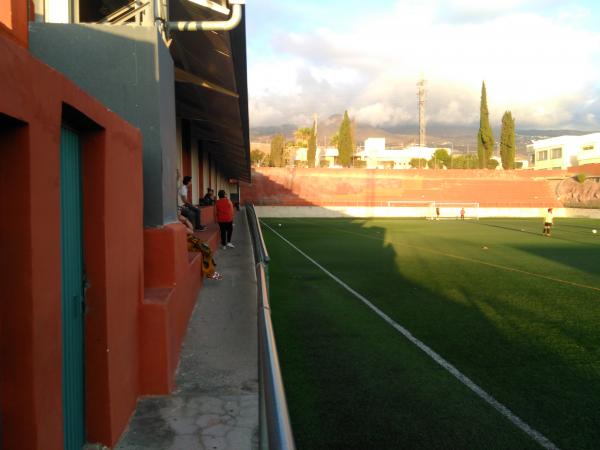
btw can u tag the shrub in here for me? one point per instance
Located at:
(580, 177)
(492, 164)
(418, 163)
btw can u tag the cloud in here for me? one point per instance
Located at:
(379, 114)
(541, 67)
(475, 11)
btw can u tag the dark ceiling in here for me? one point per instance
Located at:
(211, 88)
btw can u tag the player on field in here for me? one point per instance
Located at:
(548, 220)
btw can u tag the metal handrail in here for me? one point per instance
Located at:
(121, 15)
(275, 428)
(261, 254)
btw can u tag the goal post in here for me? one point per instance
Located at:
(432, 210)
(414, 208)
(452, 210)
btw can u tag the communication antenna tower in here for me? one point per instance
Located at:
(421, 95)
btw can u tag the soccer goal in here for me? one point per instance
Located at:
(413, 208)
(452, 210)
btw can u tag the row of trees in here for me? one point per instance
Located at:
(485, 137)
(441, 159)
(344, 140)
(306, 137)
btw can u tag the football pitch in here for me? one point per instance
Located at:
(416, 334)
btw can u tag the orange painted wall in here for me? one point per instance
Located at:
(14, 15)
(30, 331)
(360, 187)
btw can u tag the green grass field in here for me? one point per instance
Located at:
(516, 312)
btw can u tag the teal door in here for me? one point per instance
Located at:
(72, 290)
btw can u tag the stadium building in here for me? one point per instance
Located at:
(377, 156)
(562, 152)
(101, 104)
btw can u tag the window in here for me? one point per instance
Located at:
(542, 155)
(588, 147)
(556, 153)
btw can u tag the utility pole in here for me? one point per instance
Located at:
(421, 95)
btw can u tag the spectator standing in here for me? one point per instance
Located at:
(187, 209)
(224, 211)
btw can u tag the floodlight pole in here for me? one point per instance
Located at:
(421, 95)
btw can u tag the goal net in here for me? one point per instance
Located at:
(453, 210)
(433, 210)
(410, 208)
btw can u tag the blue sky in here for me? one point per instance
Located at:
(539, 58)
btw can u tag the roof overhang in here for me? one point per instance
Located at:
(211, 88)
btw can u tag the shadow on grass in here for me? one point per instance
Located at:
(578, 257)
(577, 253)
(353, 382)
(561, 231)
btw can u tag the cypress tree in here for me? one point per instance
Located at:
(352, 139)
(277, 147)
(507, 141)
(311, 153)
(485, 138)
(345, 142)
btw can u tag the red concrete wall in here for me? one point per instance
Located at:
(17, 398)
(30, 333)
(588, 169)
(114, 234)
(173, 278)
(348, 187)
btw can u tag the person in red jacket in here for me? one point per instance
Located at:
(224, 210)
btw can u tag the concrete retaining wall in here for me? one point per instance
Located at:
(343, 211)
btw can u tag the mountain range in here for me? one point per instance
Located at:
(461, 138)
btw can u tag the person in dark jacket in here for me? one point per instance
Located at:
(209, 198)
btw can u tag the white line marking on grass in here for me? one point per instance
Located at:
(477, 261)
(534, 434)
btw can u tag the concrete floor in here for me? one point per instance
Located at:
(215, 403)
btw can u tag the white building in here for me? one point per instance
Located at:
(327, 156)
(378, 157)
(562, 152)
(324, 157)
(300, 156)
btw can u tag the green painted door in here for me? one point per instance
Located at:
(72, 290)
